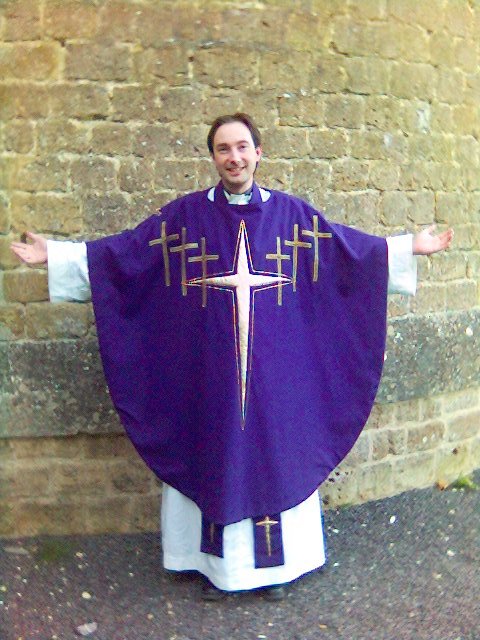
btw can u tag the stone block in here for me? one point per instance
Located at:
(381, 416)
(418, 13)
(450, 88)
(425, 436)
(397, 305)
(8, 260)
(430, 355)
(375, 480)
(285, 142)
(187, 141)
(367, 75)
(473, 265)
(80, 477)
(467, 151)
(467, 236)
(383, 176)
(339, 490)
(367, 10)
(42, 516)
(302, 32)
(276, 174)
(209, 67)
(19, 136)
(413, 81)
(12, 321)
(345, 111)
(159, 23)
(153, 140)
(349, 175)
(422, 207)
(65, 19)
(145, 510)
(359, 454)
(431, 408)
(135, 174)
(91, 61)
(174, 174)
(112, 139)
(369, 145)
(131, 477)
(26, 100)
(452, 462)
(25, 286)
(145, 204)
(54, 388)
(465, 55)
(415, 471)
(361, 210)
(459, 17)
(177, 100)
(430, 298)
(117, 520)
(51, 322)
(4, 215)
(217, 101)
(296, 110)
(82, 101)
(32, 61)
(166, 64)
(45, 448)
(7, 518)
(462, 294)
(117, 20)
(451, 208)
(17, 480)
(110, 446)
(135, 103)
(327, 74)
(106, 214)
(388, 442)
(448, 266)
(46, 213)
(59, 134)
(329, 143)
(93, 175)
(352, 38)
(309, 177)
(22, 21)
(284, 74)
(48, 173)
(464, 399)
(465, 120)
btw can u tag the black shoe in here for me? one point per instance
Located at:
(210, 593)
(274, 594)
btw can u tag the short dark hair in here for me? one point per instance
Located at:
(244, 118)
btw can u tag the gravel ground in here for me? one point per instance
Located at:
(404, 568)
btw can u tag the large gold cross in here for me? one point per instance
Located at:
(267, 523)
(315, 235)
(279, 256)
(183, 249)
(296, 244)
(204, 258)
(164, 240)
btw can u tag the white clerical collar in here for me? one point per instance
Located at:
(239, 198)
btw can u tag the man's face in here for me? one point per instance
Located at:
(235, 156)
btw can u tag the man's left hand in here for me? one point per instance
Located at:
(426, 243)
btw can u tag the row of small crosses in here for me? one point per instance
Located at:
(204, 258)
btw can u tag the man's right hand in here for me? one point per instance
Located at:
(32, 253)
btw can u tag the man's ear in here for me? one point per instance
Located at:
(258, 151)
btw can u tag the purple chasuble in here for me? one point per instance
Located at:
(242, 345)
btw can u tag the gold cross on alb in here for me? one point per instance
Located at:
(279, 256)
(315, 234)
(164, 240)
(267, 523)
(183, 248)
(296, 244)
(204, 258)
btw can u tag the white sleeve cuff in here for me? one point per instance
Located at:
(402, 265)
(68, 271)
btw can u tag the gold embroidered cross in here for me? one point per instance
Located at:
(315, 234)
(296, 244)
(164, 240)
(204, 258)
(267, 523)
(183, 249)
(279, 256)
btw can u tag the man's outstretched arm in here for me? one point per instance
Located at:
(426, 243)
(33, 253)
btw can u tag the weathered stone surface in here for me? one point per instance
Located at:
(138, 103)
(23, 101)
(119, 515)
(152, 140)
(301, 111)
(4, 215)
(465, 425)
(431, 355)
(46, 174)
(415, 471)
(345, 111)
(82, 101)
(329, 143)
(388, 442)
(425, 436)
(32, 61)
(173, 174)
(57, 134)
(168, 65)
(19, 136)
(106, 214)
(286, 142)
(413, 80)
(93, 174)
(25, 286)
(71, 19)
(12, 321)
(22, 20)
(48, 516)
(209, 66)
(46, 213)
(135, 175)
(367, 75)
(8, 260)
(111, 139)
(54, 388)
(53, 321)
(92, 61)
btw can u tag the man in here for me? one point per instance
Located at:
(242, 337)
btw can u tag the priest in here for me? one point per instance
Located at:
(242, 337)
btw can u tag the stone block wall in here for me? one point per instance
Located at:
(368, 109)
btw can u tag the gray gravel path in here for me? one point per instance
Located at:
(404, 568)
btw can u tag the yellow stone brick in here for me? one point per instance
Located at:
(48, 321)
(45, 213)
(25, 286)
(71, 19)
(12, 320)
(32, 61)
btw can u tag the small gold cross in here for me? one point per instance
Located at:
(183, 249)
(164, 240)
(315, 235)
(204, 258)
(279, 256)
(267, 523)
(296, 244)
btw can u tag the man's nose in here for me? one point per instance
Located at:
(234, 155)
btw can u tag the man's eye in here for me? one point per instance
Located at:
(242, 147)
